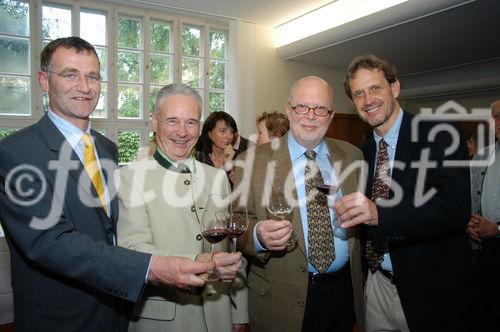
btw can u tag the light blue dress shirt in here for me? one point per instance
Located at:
(73, 135)
(299, 162)
(391, 138)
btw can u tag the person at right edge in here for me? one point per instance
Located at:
(484, 226)
(418, 260)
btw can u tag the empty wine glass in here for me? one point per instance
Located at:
(213, 226)
(280, 208)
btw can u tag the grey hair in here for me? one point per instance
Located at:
(177, 89)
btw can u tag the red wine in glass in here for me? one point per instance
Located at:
(328, 188)
(214, 235)
(233, 231)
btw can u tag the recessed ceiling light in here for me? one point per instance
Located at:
(327, 17)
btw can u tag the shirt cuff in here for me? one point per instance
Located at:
(147, 272)
(257, 245)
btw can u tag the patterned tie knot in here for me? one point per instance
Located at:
(310, 154)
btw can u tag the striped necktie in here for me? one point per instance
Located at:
(92, 168)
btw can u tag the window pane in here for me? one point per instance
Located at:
(191, 40)
(160, 36)
(128, 145)
(129, 33)
(93, 27)
(218, 44)
(160, 69)
(191, 72)
(14, 55)
(56, 22)
(4, 132)
(103, 59)
(216, 102)
(129, 101)
(129, 64)
(15, 95)
(14, 17)
(217, 75)
(152, 99)
(101, 110)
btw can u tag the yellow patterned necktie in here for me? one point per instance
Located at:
(92, 168)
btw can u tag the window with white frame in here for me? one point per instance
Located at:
(140, 51)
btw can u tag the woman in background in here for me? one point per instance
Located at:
(271, 125)
(214, 146)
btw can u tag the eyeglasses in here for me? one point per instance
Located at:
(303, 109)
(74, 77)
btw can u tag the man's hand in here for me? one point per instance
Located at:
(178, 271)
(226, 264)
(482, 227)
(471, 230)
(355, 209)
(274, 234)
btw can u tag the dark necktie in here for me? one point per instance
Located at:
(380, 190)
(320, 233)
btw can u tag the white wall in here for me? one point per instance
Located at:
(263, 79)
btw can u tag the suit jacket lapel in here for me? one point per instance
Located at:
(107, 158)
(404, 148)
(67, 158)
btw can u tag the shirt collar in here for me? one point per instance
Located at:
(391, 138)
(189, 162)
(72, 133)
(296, 150)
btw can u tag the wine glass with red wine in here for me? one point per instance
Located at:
(213, 226)
(235, 227)
(331, 190)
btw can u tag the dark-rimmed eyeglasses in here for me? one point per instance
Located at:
(303, 109)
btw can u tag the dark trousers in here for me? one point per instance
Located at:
(330, 305)
(488, 292)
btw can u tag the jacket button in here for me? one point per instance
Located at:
(303, 269)
(193, 208)
(300, 303)
(479, 193)
(187, 182)
(199, 237)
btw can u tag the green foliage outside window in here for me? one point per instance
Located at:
(128, 145)
(6, 132)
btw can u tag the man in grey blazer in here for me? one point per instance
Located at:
(484, 225)
(67, 273)
(162, 200)
(287, 291)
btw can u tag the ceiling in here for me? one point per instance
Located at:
(421, 37)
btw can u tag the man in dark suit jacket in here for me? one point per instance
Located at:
(67, 273)
(414, 240)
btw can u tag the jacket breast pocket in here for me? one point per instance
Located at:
(155, 309)
(257, 282)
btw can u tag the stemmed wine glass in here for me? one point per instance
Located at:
(235, 227)
(280, 208)
(331, 189)
(213, 226)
